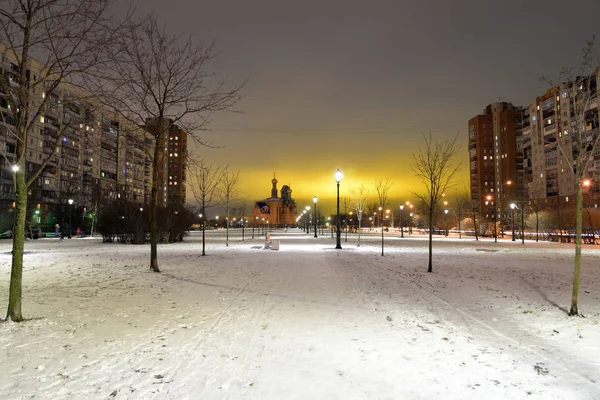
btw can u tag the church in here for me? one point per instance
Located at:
(276, 211)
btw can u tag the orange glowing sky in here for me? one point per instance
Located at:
(354, 84)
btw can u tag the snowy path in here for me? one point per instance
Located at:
(304, 322)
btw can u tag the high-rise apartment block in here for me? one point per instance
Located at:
(101, 155)
(493, 157)
(520, 154)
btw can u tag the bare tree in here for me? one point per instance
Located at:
(433, 167)
(382, 187)
(579, 87)
(345, 206)
(205, 180)
(66, 37)
(360, 199)
(228, 190)
(159, 81)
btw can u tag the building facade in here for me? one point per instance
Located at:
(92, 154)
(535, 149)
(494, 159)
(275, 211)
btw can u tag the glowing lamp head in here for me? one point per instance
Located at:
(338, 175)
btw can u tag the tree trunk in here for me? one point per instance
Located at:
(430, 265)
(537, 226)
(475, 225)
(203, 225)
(577, 269)
(359, 227)
(14, 312)
(227, 228)
(156, 162)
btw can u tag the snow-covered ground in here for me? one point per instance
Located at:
(304, 322)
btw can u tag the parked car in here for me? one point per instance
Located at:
(6, 235)
(37, 233)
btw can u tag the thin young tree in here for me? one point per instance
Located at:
(205, 181)
(228, 191)
(382, 187)
(345, 206)
(160, 81)
(360, 195)
(66, 38)
(432, 165)
(579, 88)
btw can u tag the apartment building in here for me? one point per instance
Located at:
(494, 159)
(525, 154)
(177, 147)
(552, 125)
(101, 155)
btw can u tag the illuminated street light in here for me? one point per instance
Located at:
(512, 207)
(338, 177)
(401, 223)
(70, 214)
(446, 212)
(315, 201)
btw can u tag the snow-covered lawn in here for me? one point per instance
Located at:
(304, 322)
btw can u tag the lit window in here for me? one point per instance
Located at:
(42, 119)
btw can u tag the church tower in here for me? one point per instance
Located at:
(274, 190)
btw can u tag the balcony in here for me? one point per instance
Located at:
(550, 129)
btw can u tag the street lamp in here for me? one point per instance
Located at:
(401, 223)
(446, 212)
(338, 177)
(315, 201)
(410, 224)
(512, 207)
(70, 213)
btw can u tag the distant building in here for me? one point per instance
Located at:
(494, 159)
(275, 211)
(548, 148)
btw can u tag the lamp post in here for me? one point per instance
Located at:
(446, 213)
(338, 177)
(512, 207)
(410, 224)
(401, 223)
(315, 201)
(70, 214)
